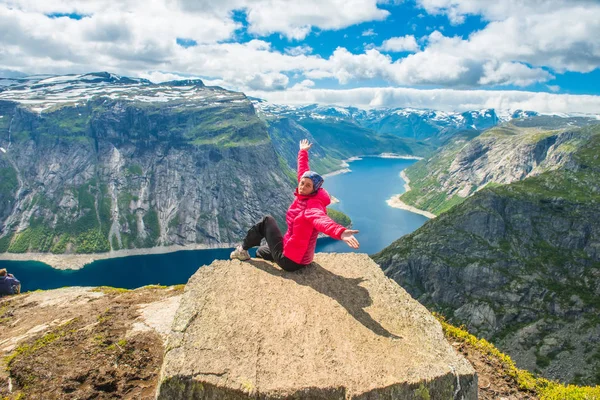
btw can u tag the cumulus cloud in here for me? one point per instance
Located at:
(135, 37)
(272, 81)
(439, 99)
(457, 10)
(402, 43)
(295, 19)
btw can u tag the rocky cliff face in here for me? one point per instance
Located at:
(519, 264)
(97, 164)
(501, 155)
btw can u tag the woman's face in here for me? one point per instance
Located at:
(305, 186)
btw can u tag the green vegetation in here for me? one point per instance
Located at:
(109, 290)
(27, 349)
(152, 226)
(544, 388)
(61, 245)
(85, 199)
(5, 242)
(33, 239)
(8, 183)
(339, 217)
(291, 174)
(134, 169)
(426, 176)
(115, 242)
(225, 127)
(426, 191)
(92, 241)
(174, 222)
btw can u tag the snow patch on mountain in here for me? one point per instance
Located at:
(43, 92)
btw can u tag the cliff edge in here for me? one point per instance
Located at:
(337, 330)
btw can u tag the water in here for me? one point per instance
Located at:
(362, 194)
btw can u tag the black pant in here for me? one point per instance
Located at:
(267, 228)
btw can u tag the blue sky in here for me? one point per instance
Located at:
(541, 54)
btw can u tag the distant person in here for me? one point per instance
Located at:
(306, 217)
(8, 284)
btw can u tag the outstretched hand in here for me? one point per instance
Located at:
(305, 144)
(348, 237)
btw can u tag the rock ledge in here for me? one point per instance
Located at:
(337, 330)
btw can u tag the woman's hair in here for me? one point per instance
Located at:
(3, 272)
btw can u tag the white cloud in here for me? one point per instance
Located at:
(345, 66)
(200, 19)
(439, 99)
(368, 32)
(553, 88)
(271, 81)
(402, 43)
(457, 10)
(137, 38)
(495, 73)
(295, 19)
(299, 50)
(305, 84)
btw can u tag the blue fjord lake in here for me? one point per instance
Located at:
(362, 193)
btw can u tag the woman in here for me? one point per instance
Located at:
(306, 217)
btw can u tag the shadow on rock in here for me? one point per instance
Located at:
(346, 291)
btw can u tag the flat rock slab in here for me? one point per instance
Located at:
(338, 329)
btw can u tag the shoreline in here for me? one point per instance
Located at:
(395, 201)
(78, 261)
(345, 166)
(338, 172)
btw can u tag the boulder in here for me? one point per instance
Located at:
(339, 329)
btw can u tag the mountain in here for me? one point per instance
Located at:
(519, 263)
(337, 136)
(506, 153)
(96, 162)
(286, 133)
(429, 128)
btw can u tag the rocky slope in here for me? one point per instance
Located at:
(107, 343)
(520, 263)
(99, 162)
(503, 154)
(75, 343)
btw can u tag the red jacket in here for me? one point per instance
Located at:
(306, 217)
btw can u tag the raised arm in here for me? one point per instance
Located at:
(303, 157)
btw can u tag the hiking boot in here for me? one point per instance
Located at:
(240, 254)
